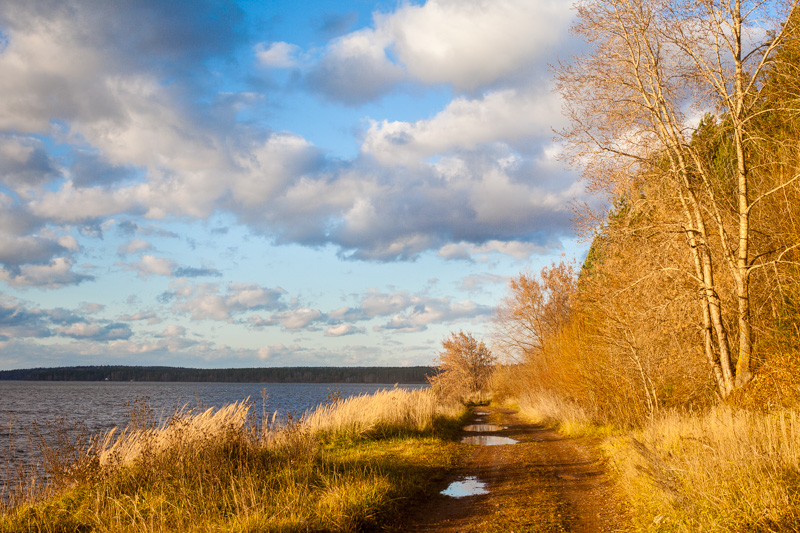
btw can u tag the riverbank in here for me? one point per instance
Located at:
(352, 464)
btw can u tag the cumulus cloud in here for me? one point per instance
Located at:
(268, 353)
(341, 330)
(16, 251)
(25, 163)
(150, 265)
(96, 332)
(474, 43)
(105, 115)
(408, 312)
(468, 44)
(277, 55)
(173, 330)
(90, 169)
(356, 68)
(207, 301)
(292, 320)
(509, 116)
(134, 246)
(19, 321)
(53, 275)
(519, 250)
(436, 311)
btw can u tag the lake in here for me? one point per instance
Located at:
(101, 406)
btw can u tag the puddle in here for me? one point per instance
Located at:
(481, 413)
(470, 486)
(488, 440)
(483, 428)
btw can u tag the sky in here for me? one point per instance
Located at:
(240, 183)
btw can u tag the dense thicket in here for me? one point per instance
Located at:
(691, 290)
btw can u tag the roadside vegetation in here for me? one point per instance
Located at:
(675, 345)
(676, 342)
(350, 465)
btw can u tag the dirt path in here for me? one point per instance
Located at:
(545, 482)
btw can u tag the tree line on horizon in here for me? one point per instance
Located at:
(377, 375)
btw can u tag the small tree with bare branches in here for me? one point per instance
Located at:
(464, 367)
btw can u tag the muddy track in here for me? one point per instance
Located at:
(544, 482)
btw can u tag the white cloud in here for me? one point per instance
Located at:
(471, 43)
(277, 54)
(54, 275)
(356, 68)
(468, 44)
(204, 301)
(278, 350)
(134, 246)
(151, 265)
(341, 330)
(298, 318)
(96, 332)
(173, 331)
(516, 249)
(465, 124)
(435, 311)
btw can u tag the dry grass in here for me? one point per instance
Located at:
(344, 467)
(548, 408)
(397, 410)
(722, 471)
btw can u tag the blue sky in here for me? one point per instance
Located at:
(216, 184)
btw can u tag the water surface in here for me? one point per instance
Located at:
(100, 406)
(488, 440)
(469, 486)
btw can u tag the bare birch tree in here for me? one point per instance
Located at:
(651, 65)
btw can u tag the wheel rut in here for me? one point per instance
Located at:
(544, 482)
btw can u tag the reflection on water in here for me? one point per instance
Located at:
(488, 440)
(482, 428)
(469, 486)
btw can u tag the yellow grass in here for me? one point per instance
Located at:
(384, 411)
(548, 408)
(721, 471)
(216, 470)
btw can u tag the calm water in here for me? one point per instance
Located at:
(103, 405)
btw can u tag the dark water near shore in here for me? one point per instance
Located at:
(101, 406)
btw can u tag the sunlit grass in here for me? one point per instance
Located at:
(721, 471)
(345, 467)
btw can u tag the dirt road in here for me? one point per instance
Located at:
(543, 482)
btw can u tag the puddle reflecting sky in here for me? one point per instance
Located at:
(482, 428)
(469, 486)
(488, 440)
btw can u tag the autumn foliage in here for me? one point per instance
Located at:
(464, 367)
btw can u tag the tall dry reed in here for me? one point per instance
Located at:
(221, 469)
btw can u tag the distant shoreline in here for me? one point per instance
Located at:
(376, 375)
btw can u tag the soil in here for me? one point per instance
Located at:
(545, 482)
